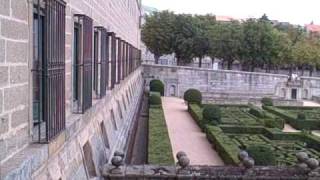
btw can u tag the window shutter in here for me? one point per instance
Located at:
(54, 68)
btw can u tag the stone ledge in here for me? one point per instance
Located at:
(205, 172)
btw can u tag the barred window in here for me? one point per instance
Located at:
(119, 59)
(48, 69)
(112, 59)
(82, 63)
(100, 62)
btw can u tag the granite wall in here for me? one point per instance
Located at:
(20, 156)
(230, 86)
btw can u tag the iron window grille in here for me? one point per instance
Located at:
(113, 57)
(48, 69)
(82, 63)
(119, 59)
(100, 62)
(123, 59)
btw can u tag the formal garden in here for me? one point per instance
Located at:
(233, 128)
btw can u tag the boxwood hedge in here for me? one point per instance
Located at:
(159, 146)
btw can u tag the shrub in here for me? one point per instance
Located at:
(301, 116)
(154, 98)
(274, 123)
(262, 155)
(212, 113)
(226, 148)
(267, 101)
(157, 86)
(196, 113)
(257, 112)
(193, 96)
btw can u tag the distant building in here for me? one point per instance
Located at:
(313, 30)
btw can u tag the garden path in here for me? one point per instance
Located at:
(185, 135)
(311, 103)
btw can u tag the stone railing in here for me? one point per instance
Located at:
(306, 169)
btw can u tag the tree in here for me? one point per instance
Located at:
(225, 42)
(201, 41)
(258, 42)
(157, 33)
(183, 38)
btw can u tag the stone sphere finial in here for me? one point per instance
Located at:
(180, 154)
(243, 155)
(248, 162)
(302, 157)
(118, 153)
(312, 163)
(184, 162)
(117, 161)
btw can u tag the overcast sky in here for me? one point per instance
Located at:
(293, 11)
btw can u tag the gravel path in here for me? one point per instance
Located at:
(185, 135)
(289, 128)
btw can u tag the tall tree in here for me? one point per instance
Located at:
(201, 41)
(225, 42)
(183, 38)
(157, 33)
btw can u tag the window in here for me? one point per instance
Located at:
(82, 63)
(100, 62)
(123, 60)
(112, 60)
(119, 57)
(48, 70)
(104, 135)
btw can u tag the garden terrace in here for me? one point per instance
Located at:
(290, 114)
(232, 137)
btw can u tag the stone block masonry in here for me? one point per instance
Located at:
(62, 158)
(14, 88)
(229, 86)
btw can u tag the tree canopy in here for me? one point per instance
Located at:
(253, 42)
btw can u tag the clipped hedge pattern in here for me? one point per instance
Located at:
(292, 119)
(159, 146)
(225, 147)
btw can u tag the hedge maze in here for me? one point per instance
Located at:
(293, 116)
(243, 126)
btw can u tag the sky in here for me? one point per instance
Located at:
(293, 11)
